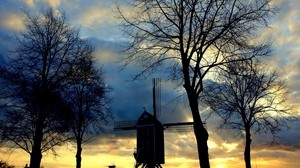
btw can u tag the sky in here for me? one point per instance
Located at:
(97, 20)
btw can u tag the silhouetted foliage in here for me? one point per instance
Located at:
(34, 115)
(190, 38)
(250, 99)
(87, 96)
(5, 165)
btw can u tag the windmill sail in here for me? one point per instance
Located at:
(125, 125)
(156, 96)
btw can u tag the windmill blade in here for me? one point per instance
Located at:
(187, 128)
(156, 91)
(125, 125)
(179, 127)
(158, 96)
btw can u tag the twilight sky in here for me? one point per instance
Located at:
(98, 21)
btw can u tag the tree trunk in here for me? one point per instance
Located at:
(202, 137)
(247, 155)
(35, 158)
(78, 155)
(36, 154)
(200, 132)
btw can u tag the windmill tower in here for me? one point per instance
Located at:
(149, 152)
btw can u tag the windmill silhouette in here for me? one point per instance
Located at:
(149, 151)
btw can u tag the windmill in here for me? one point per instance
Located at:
(149, 152)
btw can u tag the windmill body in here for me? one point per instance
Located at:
(150, 141)
(149, 152)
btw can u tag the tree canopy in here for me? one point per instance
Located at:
(34, 114)
(250, 99)
(190, 39)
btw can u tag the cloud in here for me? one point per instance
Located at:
(53, 3)
(96, 16)
(129, 97)
(181, 145)
(284, 32)
(13, 22)
(37, 3)
(10, 18)
(29, 3)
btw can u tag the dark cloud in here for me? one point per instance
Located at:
(288, 139)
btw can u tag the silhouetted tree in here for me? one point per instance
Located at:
(34, 115)
(189, 38)
(250, 99)
(87, 96)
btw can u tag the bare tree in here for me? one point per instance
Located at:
(34, 114)
(87, 96)
(190, 38)
(250, 99)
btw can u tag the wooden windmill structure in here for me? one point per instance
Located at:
(149, 152)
